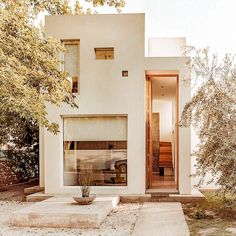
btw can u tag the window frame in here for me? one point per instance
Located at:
(72, 42)
(127, 148)
(104, 49)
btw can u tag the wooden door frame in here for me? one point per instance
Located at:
(148, 127)
(148, 134)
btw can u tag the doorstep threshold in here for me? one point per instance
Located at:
(161, 191)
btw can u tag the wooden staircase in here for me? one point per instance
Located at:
(165, 155)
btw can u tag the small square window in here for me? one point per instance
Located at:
(104, 53)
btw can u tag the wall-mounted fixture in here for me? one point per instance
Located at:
(125, 73)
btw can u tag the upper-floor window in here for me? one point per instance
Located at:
(104, 53)
(72, 63)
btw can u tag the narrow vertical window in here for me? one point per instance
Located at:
(71, 63)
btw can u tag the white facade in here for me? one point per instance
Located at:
(103, 91)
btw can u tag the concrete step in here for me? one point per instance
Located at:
(155, 195)
(64, 212)
(33, 189)
(38, 197)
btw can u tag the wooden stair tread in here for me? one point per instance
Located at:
(165, 144)
(165, 154)
(167, 165)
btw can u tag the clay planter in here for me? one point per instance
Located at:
(84, 200)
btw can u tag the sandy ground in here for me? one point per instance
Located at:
(120, 222)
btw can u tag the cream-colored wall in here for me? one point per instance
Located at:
(41, 157)
(103, 90)
(166, 47)
(177, 65)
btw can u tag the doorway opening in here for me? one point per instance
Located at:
(162, 133)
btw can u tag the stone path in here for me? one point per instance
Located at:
(161, 219)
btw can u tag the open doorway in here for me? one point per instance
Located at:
(162, 133)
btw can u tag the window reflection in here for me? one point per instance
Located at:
(100, 142)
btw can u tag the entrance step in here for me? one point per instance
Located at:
(38, 197)
(161, 219)
(154, 196)
(33, 189)
(161, 191)
(63, 212)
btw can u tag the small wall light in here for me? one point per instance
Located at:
(125, 73)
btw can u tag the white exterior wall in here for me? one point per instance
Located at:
(166, 47)
(103, 90)
(41, 157)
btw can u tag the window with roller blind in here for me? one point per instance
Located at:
(97, 141)
(71, 63)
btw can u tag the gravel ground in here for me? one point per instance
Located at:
(119, 223)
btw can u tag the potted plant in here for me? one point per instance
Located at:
(85, 179)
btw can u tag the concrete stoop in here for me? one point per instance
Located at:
(33, 189)
(63, 212)
(161, 219)
(195, 197)
(38, 197)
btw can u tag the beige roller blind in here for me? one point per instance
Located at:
(71, 59)
(95, 128)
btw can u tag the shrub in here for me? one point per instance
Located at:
(18, 166)
(7, 176)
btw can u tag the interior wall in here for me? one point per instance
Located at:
(164, 108)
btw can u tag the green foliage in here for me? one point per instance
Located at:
(30, 78)
(18, 166)
(212, 112)
(6, 174)
(61, 7)
(29, 73)
(200, 214)
(220, 202)
(216, 205)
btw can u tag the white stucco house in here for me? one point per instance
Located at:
(126, 125)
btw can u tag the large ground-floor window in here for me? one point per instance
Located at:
(97, 142)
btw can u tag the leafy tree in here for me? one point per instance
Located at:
(212, 112)
(29, 72)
